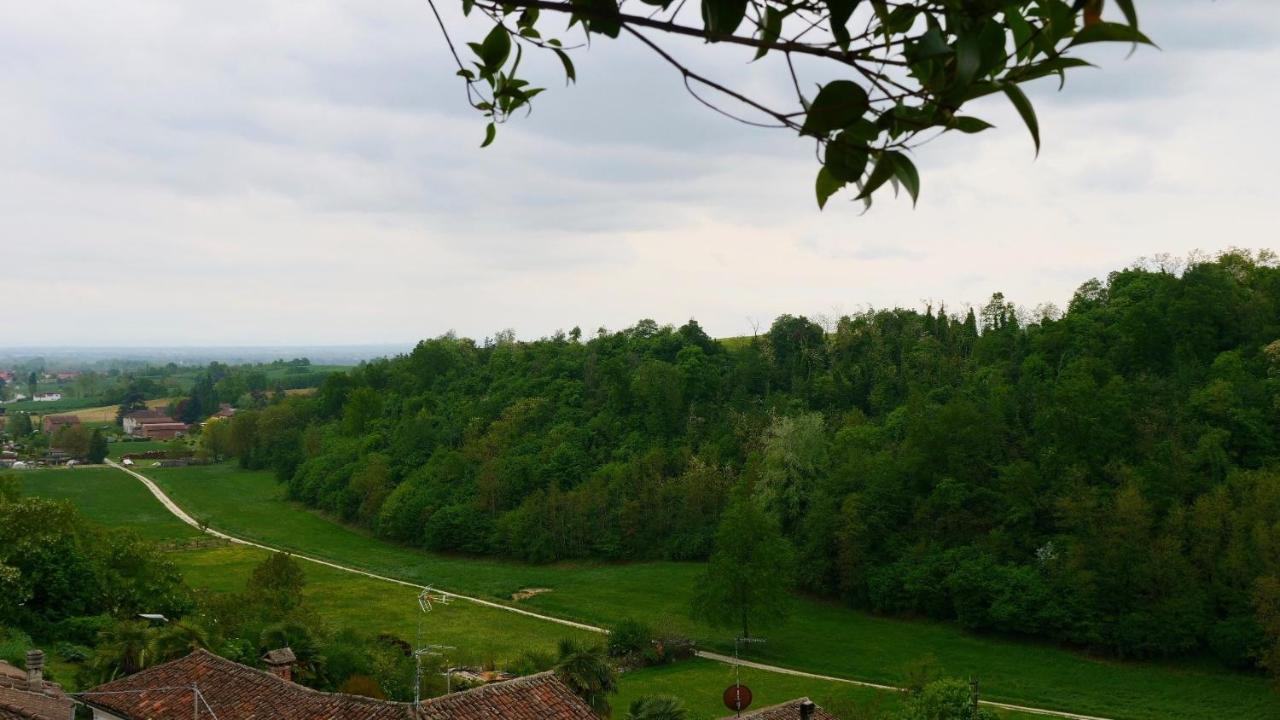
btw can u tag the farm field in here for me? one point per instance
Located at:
(108, 497)
(821, 637)
(480, 634)
(117, 450)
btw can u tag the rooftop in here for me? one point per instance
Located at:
(789, 710)
(236, 692)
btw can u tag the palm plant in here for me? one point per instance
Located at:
(586, 670)
(656, 707)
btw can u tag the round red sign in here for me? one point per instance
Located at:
(737, 697)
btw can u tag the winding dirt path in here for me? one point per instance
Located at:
(182, 515)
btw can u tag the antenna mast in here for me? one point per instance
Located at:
(426, 599)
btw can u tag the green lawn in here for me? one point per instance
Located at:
(117, 450)
(700, 684)
(109, 497)
(821, 637)
(480, 634)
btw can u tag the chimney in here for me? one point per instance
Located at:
(280, 662)
(35, 670)
(806, 709)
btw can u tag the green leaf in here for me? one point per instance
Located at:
(1110, 32)
(826, 186)
(569, 74)
(839, 103)
(1057, 65)
(1130, 15)
(1028, 113)
(601, 16)
(840, 11)
(994, 50)
(846, 158)
(771, 30)
(495, 49)
(880, 174)
(929, 45)
(490, 132)
(969, 125)
(1021, 31)
(905, 172)
(722, 17)
(968, 58)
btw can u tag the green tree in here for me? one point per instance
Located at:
(656, 707)
(97, 447)
(215, 439)
(133, 401)
(19, 425)
(123, 649)
(277, 583)
(866, 119)
(1266, 600)
(945, 700)
(72, 439)
(795, 454)
(33, 383)
(586, 670)
(748, 580)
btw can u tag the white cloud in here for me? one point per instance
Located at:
(276, 172)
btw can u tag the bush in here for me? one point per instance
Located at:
(14, 645)
(531, 662)
(1235, 641)
(82, 630)
(656, 707)
(949, 699)
(629, 637)
(71, 652)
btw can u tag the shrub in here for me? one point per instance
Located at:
(629, 637)
(532, 661)
(656, 707)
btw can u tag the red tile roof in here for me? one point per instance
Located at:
(786, 711)
(536, 697)
(236, 692)
(18, 700)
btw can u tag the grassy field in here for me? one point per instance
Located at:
(109, 497)
(341, 599)
(479, 634)
(821, 637)
(117, 450)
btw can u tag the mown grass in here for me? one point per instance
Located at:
(117, 450)
(821, 637)
(479, 634)
(108, 497)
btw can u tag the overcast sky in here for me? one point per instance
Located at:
(180, 172)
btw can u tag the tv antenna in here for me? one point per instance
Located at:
(737, 697)
(428, 598)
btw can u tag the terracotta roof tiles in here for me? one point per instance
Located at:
(236, 692)
(786, 711)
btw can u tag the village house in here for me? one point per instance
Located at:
(53, 423)
(47, 397)
(163, 430)
(230, 691)
(133, 422)
(26, 695)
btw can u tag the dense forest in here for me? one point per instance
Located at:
(1106, 476)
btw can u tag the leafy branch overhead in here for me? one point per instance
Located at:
(893, 75)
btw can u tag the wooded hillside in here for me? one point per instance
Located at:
(1107, 478)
